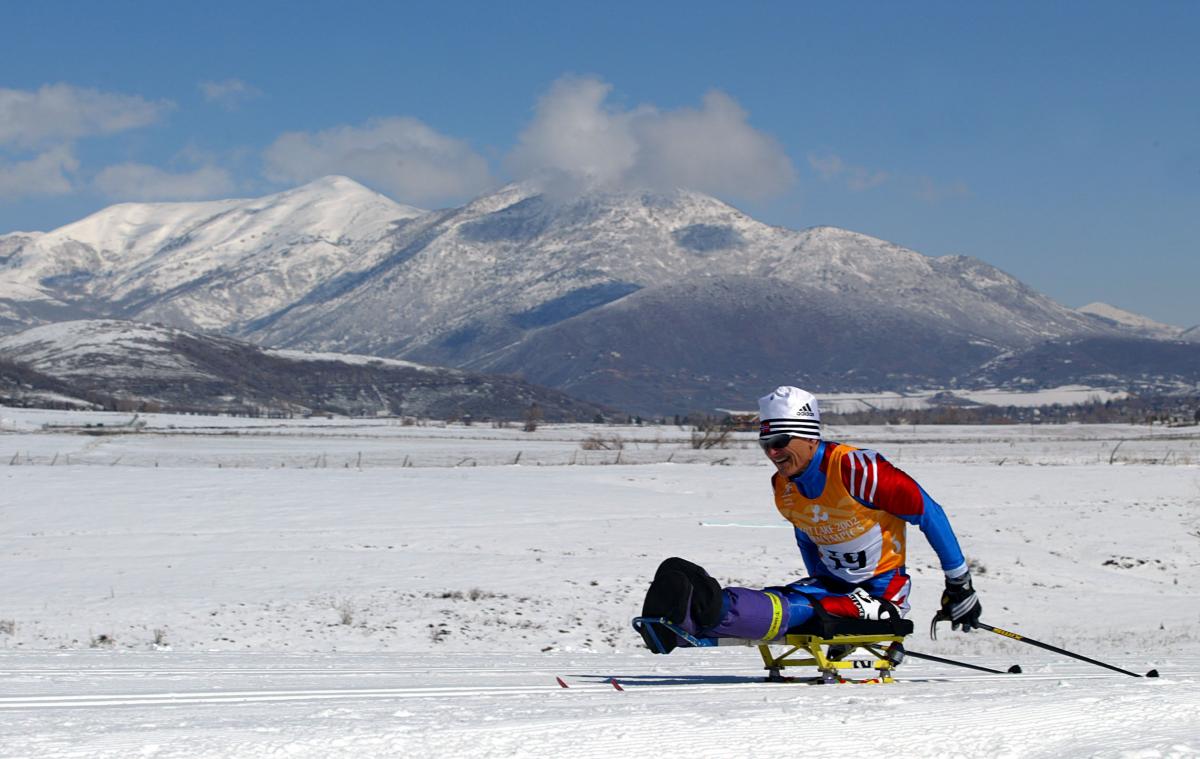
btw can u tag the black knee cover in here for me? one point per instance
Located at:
(680, 587)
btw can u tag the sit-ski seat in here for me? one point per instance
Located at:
(807, 645)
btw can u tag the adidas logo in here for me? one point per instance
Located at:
(805, 410)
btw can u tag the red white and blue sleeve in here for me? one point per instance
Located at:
(876, 484)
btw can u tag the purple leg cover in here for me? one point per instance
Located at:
(749, 614)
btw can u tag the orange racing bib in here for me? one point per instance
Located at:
(855, 542)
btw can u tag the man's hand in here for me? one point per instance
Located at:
(960, 605)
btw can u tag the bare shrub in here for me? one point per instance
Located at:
(712, 433)
(345, 609)
(597, 442)
(8, 626)
(533, 417)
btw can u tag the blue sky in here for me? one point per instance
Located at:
(1058, 141)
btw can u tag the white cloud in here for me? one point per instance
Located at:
(857, 178)
(136, 181)
(400, 156)
(58, 113)
(713, 148)
(574, 133)
(46, 174)
(229, 94)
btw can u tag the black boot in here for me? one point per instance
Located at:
(681, 592)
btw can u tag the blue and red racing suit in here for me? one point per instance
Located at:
(850, 509)
(850, 527)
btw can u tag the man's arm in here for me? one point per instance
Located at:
(876, 484)
(936, 525)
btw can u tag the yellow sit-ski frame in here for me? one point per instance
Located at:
(817, 647)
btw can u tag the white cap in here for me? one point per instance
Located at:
(789, 410)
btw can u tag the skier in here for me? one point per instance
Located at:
(849, 508)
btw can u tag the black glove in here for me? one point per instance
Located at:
(960, 605)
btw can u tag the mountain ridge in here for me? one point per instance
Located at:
(645, 299)
(1137, 323)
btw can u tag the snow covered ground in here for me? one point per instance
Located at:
(1067, 395)
(213, 587)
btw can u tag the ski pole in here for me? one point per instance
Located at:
(1013, 670)
(1057, 650)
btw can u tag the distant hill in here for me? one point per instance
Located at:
(1139, 364)
(1136, 323)
(108, 362)
(22, 386)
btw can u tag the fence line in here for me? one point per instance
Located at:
(359, 462)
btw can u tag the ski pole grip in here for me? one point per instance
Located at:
(940, 616)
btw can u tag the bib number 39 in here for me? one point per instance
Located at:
(854, 560)
(850, 560)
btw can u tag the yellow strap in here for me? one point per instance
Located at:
(776, 616)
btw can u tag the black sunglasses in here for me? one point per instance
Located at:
(775, 442)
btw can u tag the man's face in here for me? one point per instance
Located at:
(792, 458)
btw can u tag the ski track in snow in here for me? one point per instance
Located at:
(466, 592)
(106, 704)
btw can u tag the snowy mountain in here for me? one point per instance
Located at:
(208, 265)
(1137, 323)
(674, 301)
(650, 302)
(519, 261)
(121, 364)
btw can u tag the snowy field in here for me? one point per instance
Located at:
(342, 588)
(1067, 395)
